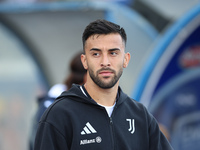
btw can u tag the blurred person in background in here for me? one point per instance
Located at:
(77, 76)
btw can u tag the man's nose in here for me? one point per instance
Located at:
(105, 61)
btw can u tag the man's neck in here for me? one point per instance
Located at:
(105, 97)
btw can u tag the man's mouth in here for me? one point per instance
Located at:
(105, 73)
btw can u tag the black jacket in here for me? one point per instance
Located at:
(76, 122)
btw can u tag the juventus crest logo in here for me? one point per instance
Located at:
(131, 125)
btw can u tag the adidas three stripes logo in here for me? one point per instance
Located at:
(88, 129)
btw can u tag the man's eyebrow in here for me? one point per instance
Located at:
(114, 49)
(95, 49)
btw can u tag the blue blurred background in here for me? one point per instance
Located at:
(38, 38)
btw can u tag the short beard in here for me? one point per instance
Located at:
(102, 84)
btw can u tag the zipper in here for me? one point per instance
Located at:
(112, 129)
(112, 133)
(111, 126)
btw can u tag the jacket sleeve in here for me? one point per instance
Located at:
(49, 138)
(157, 140)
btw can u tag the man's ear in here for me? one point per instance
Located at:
(84, 62)
(127, 58)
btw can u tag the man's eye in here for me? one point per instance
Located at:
(95, 54)
(113, 53)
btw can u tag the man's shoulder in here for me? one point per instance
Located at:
(57, 107)
(136, 105)
(62, 103)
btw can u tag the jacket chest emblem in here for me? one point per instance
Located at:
(89, 129)
(131, 125)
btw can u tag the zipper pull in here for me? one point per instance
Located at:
(111, 122)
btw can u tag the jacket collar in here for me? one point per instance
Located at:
(79, 93)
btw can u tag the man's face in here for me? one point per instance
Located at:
(104, 59)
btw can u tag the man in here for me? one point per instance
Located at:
(98, 115)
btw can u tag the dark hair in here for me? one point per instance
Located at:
(102, 27)
(77, 71)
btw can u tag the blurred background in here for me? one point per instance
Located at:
(38, 38)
